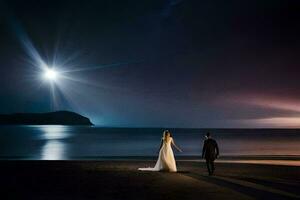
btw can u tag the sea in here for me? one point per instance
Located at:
(57, 142)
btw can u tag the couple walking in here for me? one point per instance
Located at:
(166, 160)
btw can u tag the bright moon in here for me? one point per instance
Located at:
(50, 74)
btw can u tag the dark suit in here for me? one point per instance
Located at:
(210, 152)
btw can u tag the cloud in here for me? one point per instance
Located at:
(275, 122)
(273, 102)
(269, 111)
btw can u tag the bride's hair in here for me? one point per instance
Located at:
(166, 133)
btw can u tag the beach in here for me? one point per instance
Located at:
(121, 180)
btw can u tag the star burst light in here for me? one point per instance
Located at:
(51, 74)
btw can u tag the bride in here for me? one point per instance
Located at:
(166, 160)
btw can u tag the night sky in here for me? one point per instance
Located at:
(156, 63)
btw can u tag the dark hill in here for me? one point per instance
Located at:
(50, 118)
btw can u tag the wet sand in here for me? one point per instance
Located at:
(121, 180)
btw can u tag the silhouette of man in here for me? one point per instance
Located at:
(210, 152)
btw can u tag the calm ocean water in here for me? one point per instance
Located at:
(71, 142)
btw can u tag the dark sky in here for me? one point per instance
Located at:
(170, 63)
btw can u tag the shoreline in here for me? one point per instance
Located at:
(178, 157)
(292, 162)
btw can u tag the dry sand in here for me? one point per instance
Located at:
(121, 180)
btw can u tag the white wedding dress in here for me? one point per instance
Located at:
(166, 160)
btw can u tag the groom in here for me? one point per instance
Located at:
(210, 152)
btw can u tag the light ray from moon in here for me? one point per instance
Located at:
(90, 68)
(27, 45)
